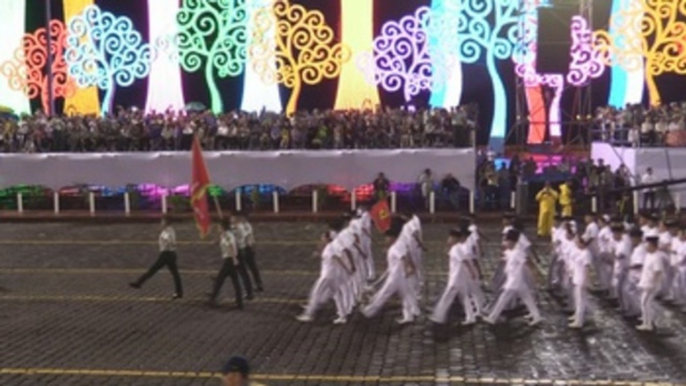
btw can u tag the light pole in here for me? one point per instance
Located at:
(48, 18)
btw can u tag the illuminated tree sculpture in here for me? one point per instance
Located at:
(213, 35)
(305, 51)
(104, 50)
(28, 71)
(587, 63)
(401, 56)
(489, 29)
(657, 42)
(444, 47)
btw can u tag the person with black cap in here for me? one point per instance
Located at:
(651, 276)
(399, 272)
(460, 278)
(333, 279)
(347, 246)
(166, 258)
(229, 250)
(591, 235)
(632, 294)
(411, 236)
(515, 286)
(620, 247)
(236, 372)
(580, 262)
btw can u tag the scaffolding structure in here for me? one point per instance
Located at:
(576, 122)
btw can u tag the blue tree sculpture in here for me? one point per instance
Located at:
(104, 50)
(489, 29)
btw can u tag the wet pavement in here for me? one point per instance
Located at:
(68, 317)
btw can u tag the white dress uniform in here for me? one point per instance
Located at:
(515, 286)
(411, 227)
(555, 269)
(395, 283)
(633, 293)
(356, 226)
(366, 239)
(665, 245)
(342, 244)
(679, 262)
(649, 284)
(621, 253)
(475, 253)
(592, 233)
(459, 284)
(580, 261)
(329, 285)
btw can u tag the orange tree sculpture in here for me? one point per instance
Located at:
(28, 72)
(304, 53)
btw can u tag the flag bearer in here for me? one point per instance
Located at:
(167, 257)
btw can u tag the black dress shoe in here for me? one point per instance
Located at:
(177, 296)
(134, 285)
(249, 297)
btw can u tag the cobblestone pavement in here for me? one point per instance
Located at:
(67, 317)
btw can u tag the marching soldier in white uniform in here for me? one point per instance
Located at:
(460, 280)
(515, 285)
(650, 282)
(580, 261)
(399, 273)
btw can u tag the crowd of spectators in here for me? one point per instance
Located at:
(132, 130)
(640, 126)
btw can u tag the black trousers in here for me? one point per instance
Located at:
(228, 269)
(243, 273)
(168, 259)
(649, 197)
(249, 257)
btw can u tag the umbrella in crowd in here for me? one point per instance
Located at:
(195, 106)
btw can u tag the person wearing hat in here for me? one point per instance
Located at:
(620, 247)
(566, 198)
(236, 372)
(411, 236)
(332, 282)
(604, 259)
(229, 250)
(167, 258)
(359, 255)
(515, 286)
(638, 254)
(580, 261)
(474, 240)
(546, 197)
(555, 268)
(591, 235)
(366, 241)
(346, 244)
(648, 222)
(397, 281)
(461, 275)
(650, 281)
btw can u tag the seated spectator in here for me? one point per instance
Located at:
(236, 372)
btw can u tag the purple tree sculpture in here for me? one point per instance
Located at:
(586, 63)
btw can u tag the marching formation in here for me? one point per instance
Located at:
(631, 264)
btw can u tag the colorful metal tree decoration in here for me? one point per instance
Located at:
(104, 50)
(28, 71)
(401, 57)
(213, 36)
(587, 63)
(657, 42)
(489, 29)
(305, 52)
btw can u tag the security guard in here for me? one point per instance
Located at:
(546, 198)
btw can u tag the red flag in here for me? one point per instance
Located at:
(381, 215)
(199, 184)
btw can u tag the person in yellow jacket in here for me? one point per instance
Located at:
(566, 199)
(547, 198)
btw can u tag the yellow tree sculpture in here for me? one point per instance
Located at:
(649, 31)
(304, 53)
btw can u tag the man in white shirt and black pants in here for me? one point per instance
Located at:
(241, 234)
(227, 243)
(167, 257)
(648, 193)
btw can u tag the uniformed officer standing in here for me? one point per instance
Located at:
(167, 257)
(229, 250)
